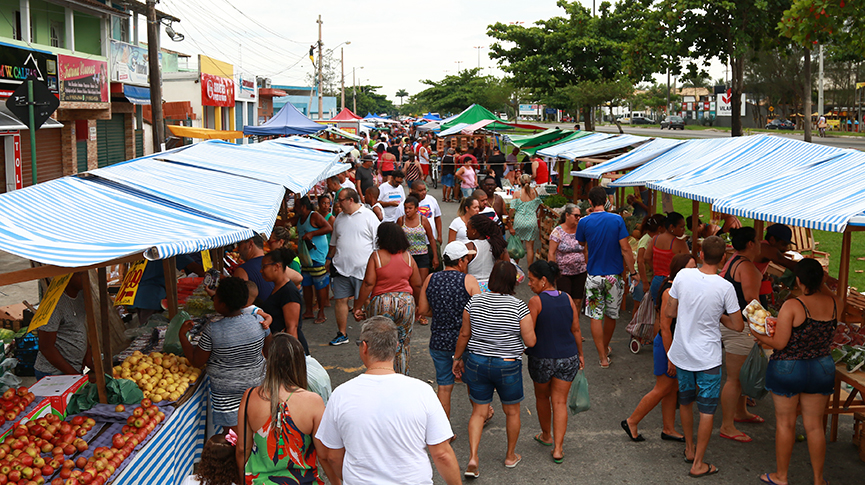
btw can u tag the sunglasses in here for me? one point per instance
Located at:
(358, 342)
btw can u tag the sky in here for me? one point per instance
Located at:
(393, 44)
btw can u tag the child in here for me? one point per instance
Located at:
(371, 199)
(218, 465)
(250, 308)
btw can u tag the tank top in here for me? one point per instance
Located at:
(319, 252)
(468, 178)
(543, 175)
(810, 340)
(417, 243)
(729, 275)
(664, 287)
(661, 259)
(447, 296)
(553, 328)
(392, 277)
(482, 264)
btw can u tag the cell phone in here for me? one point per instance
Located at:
(309, 244)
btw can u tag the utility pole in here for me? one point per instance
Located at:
(155, 77)
(820, 87)
(320, 62)
(353, 91)
(342, 76)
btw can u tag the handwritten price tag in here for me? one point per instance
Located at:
(49, 301)
(205, 260)
(127, 292)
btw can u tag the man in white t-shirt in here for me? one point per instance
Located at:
(423, 156)
(429, 206)
(344, 181)
(701, 301)
(391, 195)
(378, 426)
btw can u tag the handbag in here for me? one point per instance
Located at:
(753, 373)
(642, 325)
(516, 248)
(303, 253)
(578, 397)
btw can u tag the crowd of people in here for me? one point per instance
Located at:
(375, 244)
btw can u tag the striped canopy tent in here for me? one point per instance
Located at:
(541, 138)
(768, 157)
(559, 148)
(313, 143)
(826, 196)
(453, 130)
(634, 158)
(532, 150)
(603, 146)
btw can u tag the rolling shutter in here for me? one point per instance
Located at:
(49, 164)
(81, 150)
(110, 140)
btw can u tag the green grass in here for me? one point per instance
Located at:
(829, 242)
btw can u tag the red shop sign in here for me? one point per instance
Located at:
(216, 90)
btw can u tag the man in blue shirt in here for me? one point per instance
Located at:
(606, 238)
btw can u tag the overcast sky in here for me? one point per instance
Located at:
(397, 43)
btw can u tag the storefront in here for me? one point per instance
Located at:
(217, 93)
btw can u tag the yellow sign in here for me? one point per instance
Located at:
(860, 85)
(209, 65)
(771, 108)
(127, 292)
(49, 302)
(205, 260)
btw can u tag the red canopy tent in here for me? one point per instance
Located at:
(346, 120)
(344, 115)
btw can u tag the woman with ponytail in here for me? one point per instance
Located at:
(485, 237)
(556, 357)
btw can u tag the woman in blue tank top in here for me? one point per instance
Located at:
(557, 355)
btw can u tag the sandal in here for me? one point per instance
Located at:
(740, 438)
(753, 419)
(539, 440)
(711, 471)
(609, 361)
(320, 320)
(490, 415)
(765, 478)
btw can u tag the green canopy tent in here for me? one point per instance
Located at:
(476, 112)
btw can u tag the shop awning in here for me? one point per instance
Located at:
(204, 133)
(827, 196)
(583, 141)
(611, 144)
(137, 94)
(634, 158)
(767, 156)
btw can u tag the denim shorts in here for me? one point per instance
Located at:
(655, 287)
(448, 180)
(443, 361)
(315, 276)
(703, 386)
(659, 357)
(639, 292)
(809, 376)
(466, 192)
(485, 374)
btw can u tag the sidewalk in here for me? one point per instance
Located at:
(18, 292)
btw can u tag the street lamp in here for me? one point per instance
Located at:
(479, 47)
(458, 65)
(354, 90)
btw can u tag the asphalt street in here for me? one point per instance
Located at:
(596, 448)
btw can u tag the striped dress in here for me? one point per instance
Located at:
(235, 364)
(495, 325)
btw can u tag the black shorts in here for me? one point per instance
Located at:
(422, 260)
(542, 370)
(573, 284)
(386, 173)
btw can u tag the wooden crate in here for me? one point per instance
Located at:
(547, 221)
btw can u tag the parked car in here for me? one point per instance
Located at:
(673, 123)
(779, 124)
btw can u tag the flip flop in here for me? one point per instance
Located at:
(627, 429)
(323, 319)
(472, 474)
(765, 478)
(559, 460)
(741, 438)
(711, 471)
(490, 416)
(609, 352)
(514, 464)
(609, 361)
(685, 453)
(539, 440)
(753, 419)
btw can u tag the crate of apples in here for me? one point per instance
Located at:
(161, 377)
(14, 402)
(21, 453)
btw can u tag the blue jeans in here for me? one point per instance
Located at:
(483, 375)
(443, 361)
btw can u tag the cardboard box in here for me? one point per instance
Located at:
(58, 390)
(11, 316)
(44, 408)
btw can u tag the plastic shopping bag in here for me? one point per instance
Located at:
(516, 248)
(642, 325)
(753, 373)
(578, 398)
(172, 334)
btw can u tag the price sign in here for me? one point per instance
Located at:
(205, 260)
(127, 292)
(49, 301)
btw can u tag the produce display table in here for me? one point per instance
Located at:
(168, 456)
(851, 404)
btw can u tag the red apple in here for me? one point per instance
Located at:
(5, 469)
(6, 446)
(43, 421)
(23, 390)
(65, 473)
(130, 420)
(69, 449)
(3, 480)
(81, 462)
(137, 412)
(81, 445)
(57, 481)
(2, 420)
(77, 420)
(14, 475)
(9, 393)
(10, 415)
(81, 432)
(39, 462)
(27, 472)
(120, 408)
(20, 431)
(90, 422)
(146, 403)
(118, 441)
(26, 460)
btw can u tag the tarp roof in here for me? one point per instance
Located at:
(559, 148)
(431, 126)
(345, 115)
(304, 142)
(541, 138)
(288, 121)
(468, 130)
(431, 117)
(472, 114)
(453, 130)
(634, 158)
(532, 150)
(204, 133)
(613, 143)
(342, 133)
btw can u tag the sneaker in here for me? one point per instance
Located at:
(339, 339)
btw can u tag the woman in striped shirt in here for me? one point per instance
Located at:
(496, 329)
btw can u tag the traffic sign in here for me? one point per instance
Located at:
(44, 103)
(771, 108)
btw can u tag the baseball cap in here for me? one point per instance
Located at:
(456, 250)
(780, 232)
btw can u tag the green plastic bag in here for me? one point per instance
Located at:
(172, 334)
(119, 391)
(753, 373)
(578, 398)
(516, 248)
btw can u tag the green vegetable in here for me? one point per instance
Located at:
(555, 201)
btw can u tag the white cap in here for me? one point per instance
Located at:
(456, 250)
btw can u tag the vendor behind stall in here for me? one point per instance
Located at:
(151, 289)
(63, 347)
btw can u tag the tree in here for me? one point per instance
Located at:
(653, 97)
(456, 92)
(839, 22)
(776, 78)
(330, 75)
(567, 51)
(402, 93)
(368, 101)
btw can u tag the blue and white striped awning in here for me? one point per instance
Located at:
(681, 159)
(302, 142)
(826, 196)
(74, 222)
(604, 146)
(556, 150)
(634, 158)
(453, 130)
(767, 157)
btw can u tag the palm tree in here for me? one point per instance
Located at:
(401, 94)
